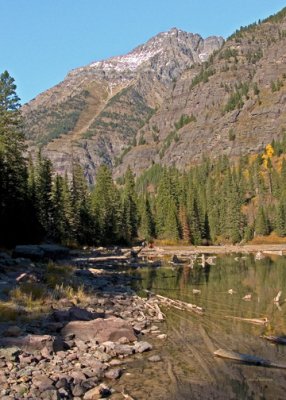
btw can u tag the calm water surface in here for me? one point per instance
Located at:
(188, 369)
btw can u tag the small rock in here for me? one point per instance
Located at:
(155, 358)
(10, 353)
(63, 393)
(123, 340)
(90, 383)
(101, 391)
(81, 345)
(50, 395)
(162, 336)
(43, 382)
(140, 347)
(113, 373)
(115, 362)
(46, 353)
(78, 390)
(78, 377)
(62, 383)
(154, 328)
(101, 356)
(139, 327)
(92, 394)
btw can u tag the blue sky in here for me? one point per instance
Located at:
(42, 40)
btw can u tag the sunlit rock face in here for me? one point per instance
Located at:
(95, 114)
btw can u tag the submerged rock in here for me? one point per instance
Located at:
(102, 330)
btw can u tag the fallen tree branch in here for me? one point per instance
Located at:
(181, 305)
(275, 339)
(256, 321)
(247, 358)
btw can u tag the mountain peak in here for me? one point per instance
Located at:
(192, 47)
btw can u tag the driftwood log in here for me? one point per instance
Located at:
(247, 358)
(180, 305)
(275, 339)
(255, 321)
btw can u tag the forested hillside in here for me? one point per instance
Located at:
(214, 202)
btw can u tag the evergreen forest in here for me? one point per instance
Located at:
(217, 201)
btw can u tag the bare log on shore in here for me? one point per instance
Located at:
(275, 339)
(180, 305)
(277, 298)
(247, 358)
(256, 321)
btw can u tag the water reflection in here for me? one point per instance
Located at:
(220, 290)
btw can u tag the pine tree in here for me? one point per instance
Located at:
(184, 224)
(106, 206)
(261, 222)
(43, 183)
(195, 223)
(13, 175)
(130, 213)
(233, 205)
(167, 224)
(146, 226)
(83, 224)
(62, 218)
(280, 218)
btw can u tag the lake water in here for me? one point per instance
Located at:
(189, 369)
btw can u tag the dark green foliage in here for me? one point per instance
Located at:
(83, 224)
(167, 224)
(151, 176)
(172, 136)
(236, 98)
(62, 226)
(280, 218)
(141, 141)
(254, 57)
(276, 18)
(239, 33)
(231, 135)
(276, 85)
(106, 207)
(184, 120)
(147, 224)
(118, 160)
(14, 201)
(256, 90)
(203, 76)
(215, 201)
(57, 121)
(261, 222)
(228, 53)
(43, 184)
(126, 124)
(130, 213)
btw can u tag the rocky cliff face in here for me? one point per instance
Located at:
(172, 100)
(234, 104)
(95, 114)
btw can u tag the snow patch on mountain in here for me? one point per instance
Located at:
(130, 61)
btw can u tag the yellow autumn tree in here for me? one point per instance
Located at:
(267, 155)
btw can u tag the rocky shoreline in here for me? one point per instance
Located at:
(73, 327)
(76, 348)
